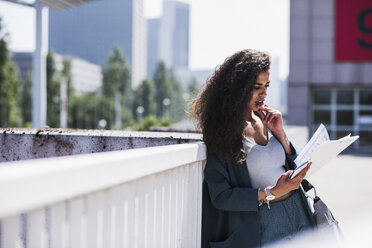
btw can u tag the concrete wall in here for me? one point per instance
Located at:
(21, 144)
(312, 57)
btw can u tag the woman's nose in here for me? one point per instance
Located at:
(264, 92)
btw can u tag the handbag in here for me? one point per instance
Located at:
(325, 221)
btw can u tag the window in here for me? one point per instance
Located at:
(322, 96)
(345, 96)
(344, 111)
(365, 118)
(322, 116)
(365, 97)
(365, 138)
(341, 134)
(345, 117)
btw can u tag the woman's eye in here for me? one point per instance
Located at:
(267, 86)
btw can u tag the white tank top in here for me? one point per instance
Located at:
(265, 163)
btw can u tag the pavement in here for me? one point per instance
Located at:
(345, 185)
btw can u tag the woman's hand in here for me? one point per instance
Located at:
(273, 119)
(286, 184)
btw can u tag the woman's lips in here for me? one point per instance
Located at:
(260, 103)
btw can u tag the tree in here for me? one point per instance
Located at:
(53, 92)
(26, 100)
(193, 87)
(86, 112)
(116, 83)
(145, 97)
(9, 85)
(72, 108)
(163, 87)
(177, 103)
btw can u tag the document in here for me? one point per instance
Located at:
(320, 150)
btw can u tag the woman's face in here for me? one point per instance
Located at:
(259, 92)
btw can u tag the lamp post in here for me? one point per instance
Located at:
(140, 110)
(102, 124)
(166, 103)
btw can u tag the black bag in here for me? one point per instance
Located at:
(322, 214)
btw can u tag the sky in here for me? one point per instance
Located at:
(218, 28)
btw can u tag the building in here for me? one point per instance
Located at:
(330, 78)
(185, 75)
(274, 91)
(85, 76)
(92, 30)
(23, 61)
(152, 45)
(168, 37)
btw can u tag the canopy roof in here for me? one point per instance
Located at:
(55, 4)
(63, 4)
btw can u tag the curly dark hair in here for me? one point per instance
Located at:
(222, 103)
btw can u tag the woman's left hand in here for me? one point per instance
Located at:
(273, 119)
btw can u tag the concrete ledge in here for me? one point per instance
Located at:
(28, 143)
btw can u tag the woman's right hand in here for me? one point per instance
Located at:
(286, 184)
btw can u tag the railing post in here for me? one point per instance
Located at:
(37, 235)
(11, 232)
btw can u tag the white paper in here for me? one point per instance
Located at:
(320, 150)
(319, 137)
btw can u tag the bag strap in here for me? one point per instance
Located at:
(307, 186)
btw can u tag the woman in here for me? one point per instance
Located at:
(249, 199)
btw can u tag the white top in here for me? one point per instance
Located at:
(265, 163)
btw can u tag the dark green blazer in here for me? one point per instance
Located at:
(230, 204)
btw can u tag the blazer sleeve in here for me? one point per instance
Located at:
(222, 194)
(292, 157)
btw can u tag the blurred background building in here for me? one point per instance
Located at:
(168, 37)
(330, 79)
(168, 40)
(92, 30)
(85, 76)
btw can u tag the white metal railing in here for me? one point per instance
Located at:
(148, 197)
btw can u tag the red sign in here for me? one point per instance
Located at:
(353, 30)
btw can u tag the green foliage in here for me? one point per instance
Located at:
(161, 97)
(53, 92)
(168, 87)
(193, 88)
(86, 109)
(145, 97)
(71, 96)
(116, 75)
(176, 108)
(10, 114)
(165, 122)
(163, 84)
(26, 100)
(151, 121)
(127, 117)
(116, 79)
(147, 123)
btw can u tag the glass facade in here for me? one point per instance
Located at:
(345, 97)
(365, 97)
(344, 111)
(322, 96)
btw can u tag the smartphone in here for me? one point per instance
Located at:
(299, 169)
